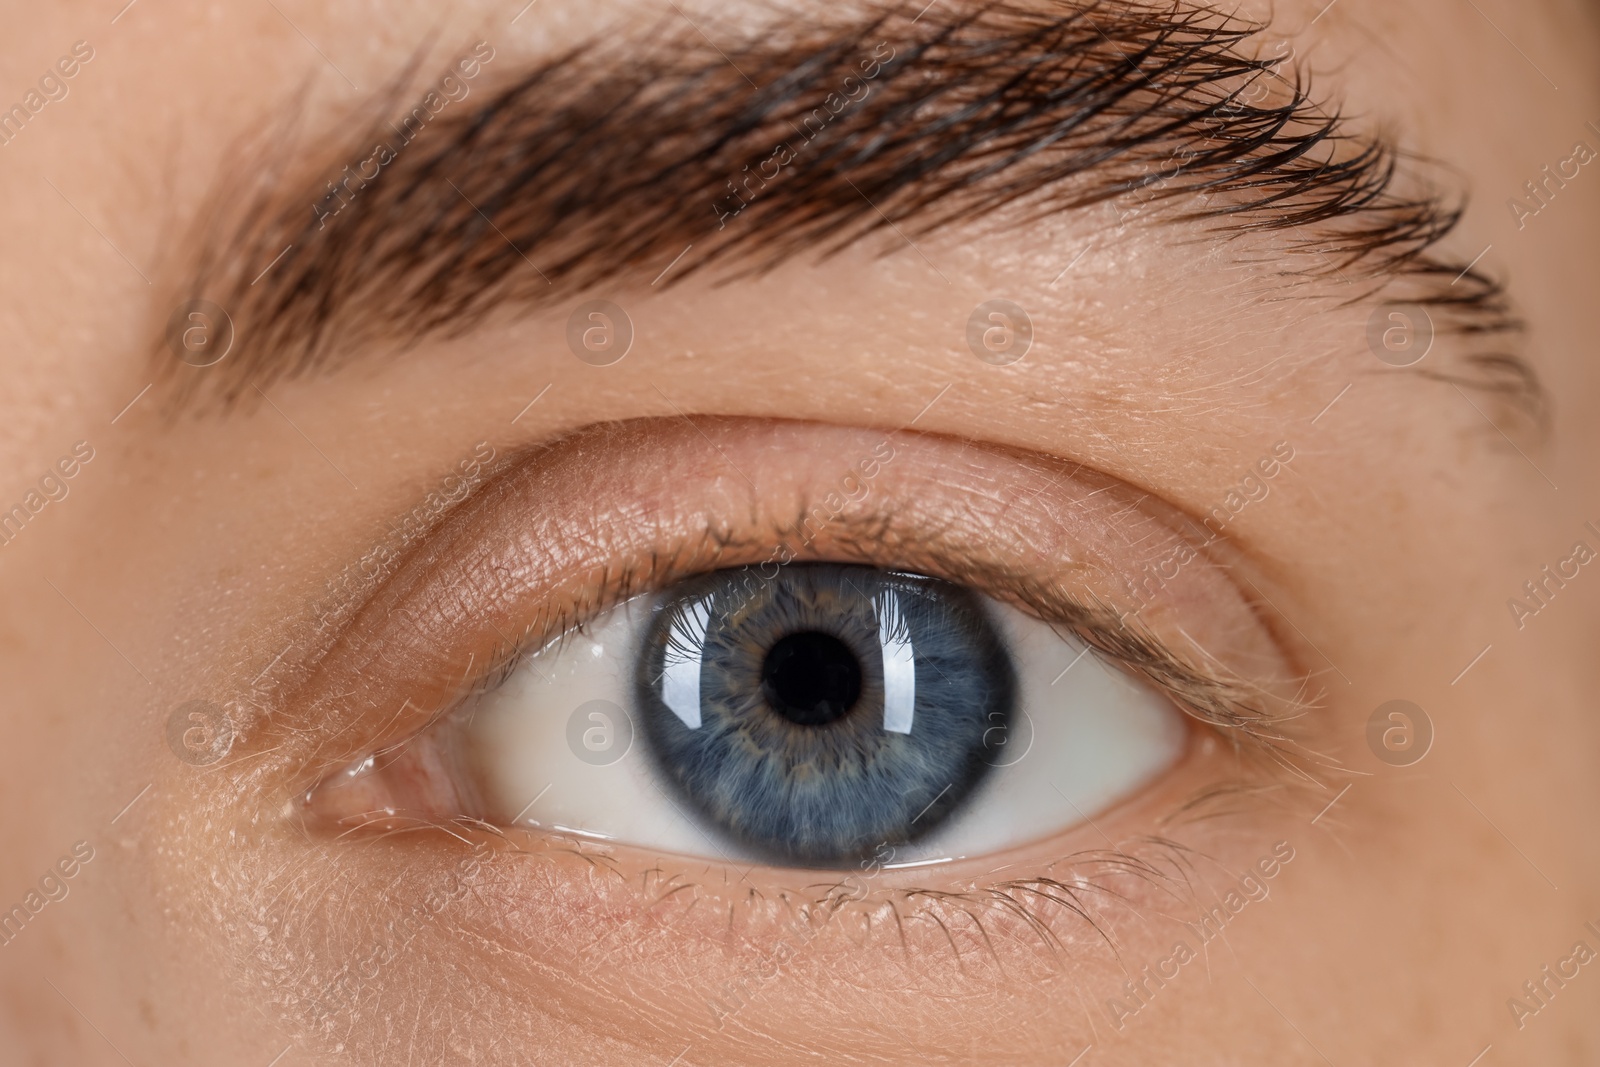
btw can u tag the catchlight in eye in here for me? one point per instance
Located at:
(825, 712)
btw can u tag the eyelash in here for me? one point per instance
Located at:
(1259, 726)
(1231, 703)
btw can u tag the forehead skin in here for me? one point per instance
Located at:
(1411, 913)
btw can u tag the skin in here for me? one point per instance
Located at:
(178, 567)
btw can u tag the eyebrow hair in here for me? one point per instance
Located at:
(600, 164)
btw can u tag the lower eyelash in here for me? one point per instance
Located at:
(1166, 865)
(1076, 894)
(1091, 915)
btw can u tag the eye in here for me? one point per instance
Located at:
(903, 686)
(811, 715)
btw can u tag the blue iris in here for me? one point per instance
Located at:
(831, 709)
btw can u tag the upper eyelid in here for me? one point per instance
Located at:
(1216, 696)
(376, 654)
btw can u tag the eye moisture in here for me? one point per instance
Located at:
(838, 709)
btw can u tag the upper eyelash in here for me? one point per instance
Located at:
(1244, 709)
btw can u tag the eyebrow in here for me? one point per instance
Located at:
(599, 165)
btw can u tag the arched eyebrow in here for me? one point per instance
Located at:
(602, 165)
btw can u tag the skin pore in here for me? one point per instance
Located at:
(338, 556)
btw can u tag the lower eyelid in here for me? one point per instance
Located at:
(553, 914)
(520, 933)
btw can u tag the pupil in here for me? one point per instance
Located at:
(811, 678)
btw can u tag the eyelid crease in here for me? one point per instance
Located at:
(524, 562)
(1260, 714)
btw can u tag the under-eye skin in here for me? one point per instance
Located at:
(800, 756)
